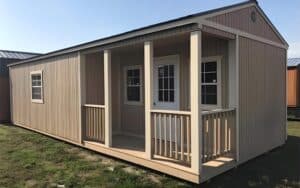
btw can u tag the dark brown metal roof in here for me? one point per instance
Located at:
(7, 54)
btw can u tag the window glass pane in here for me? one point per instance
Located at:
(211, 67)
(211, 99)
(166, 70)
(171, 70)
(210, 78)
(166, 96)
(202, 77)
(133, 85)
(160, 96)
(211, 89)
(129, 73)
(36, 83)
(166, 83)
(160, 71)
(36, 93)
(36, 77)
(202, 67)
(171, 96)
(136, 81)
(209, 94)
(133, 93)
(171, 83)
(136, 72)
(160, 83)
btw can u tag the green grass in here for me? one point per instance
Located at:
(29, 159)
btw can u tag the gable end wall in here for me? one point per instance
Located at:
(241, 20)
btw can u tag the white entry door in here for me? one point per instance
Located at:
(166, 83)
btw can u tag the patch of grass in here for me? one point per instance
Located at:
(28, 159)
(294, 128)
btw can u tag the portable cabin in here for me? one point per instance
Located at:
(293, 83)
(191, 97)
(7, 57)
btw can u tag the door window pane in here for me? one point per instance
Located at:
(166, 83)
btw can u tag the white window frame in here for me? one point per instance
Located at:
(39, 72)
(217, 59)
(125, 69)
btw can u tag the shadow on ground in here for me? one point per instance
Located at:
(278, 168)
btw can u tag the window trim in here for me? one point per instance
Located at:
(125, 69)
(39, 72)
(218, 59)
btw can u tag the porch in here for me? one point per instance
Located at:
(138, 103)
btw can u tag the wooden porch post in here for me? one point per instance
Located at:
(196, 118)
(82, 92)
(107, 98)
(148, 66)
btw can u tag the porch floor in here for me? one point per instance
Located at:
(132, 149)
(129, 142)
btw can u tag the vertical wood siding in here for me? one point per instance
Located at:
(262, 98)
(58, 115)
(292, 87)
(241, 19)
(94, 78)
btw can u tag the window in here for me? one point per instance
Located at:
(210, 82)
(133, 85)
(37, 86)
(166, 83)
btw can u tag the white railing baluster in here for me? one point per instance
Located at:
(155, 135)
(218, 133)
(181, 138)
(176, 137)
(160, 135)
(93, 123)
(170, 134)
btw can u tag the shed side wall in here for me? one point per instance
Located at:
(292, 87)
(59, 114)
(262, 98)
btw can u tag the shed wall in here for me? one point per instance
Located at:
(4, 90)
(59, 114)
(292, 87)
(4, 99)
(241, 19)
(262, 98)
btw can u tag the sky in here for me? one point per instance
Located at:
(47, 25)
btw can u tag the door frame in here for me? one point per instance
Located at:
(175, 59)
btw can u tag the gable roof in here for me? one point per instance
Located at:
(293, 62)
(7, 54)
(181, 21)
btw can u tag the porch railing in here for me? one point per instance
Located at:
(93, 123)
(218, 134)
(171, 135)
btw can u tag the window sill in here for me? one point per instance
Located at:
(37, 101)
(134, 103)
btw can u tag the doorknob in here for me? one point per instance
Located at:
(154, 103)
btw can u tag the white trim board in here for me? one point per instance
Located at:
(241, 33)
